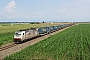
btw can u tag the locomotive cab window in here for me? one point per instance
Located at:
(23, 33)
(17, 34)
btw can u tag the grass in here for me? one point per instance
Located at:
(70, 44)
(7, 31)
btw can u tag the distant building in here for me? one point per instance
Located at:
(11, 24)
(51, 22)
(19, 23)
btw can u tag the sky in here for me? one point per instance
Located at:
(44, 10)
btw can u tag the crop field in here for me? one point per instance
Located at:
(7, 31)
(70, 44)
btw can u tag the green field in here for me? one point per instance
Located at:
(70, 44)
(7, 31)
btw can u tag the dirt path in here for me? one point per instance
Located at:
(24, 45)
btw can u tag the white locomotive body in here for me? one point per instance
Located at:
(21, 35)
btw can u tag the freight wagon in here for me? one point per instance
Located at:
(54, 28)
(48, 29)
(62, 26)
(42, 30)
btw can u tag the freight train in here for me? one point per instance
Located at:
(25, 34)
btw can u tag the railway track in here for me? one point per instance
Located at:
(7, 47)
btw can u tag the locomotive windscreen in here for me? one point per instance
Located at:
(17, 34)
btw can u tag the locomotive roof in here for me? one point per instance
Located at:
(33, 28)
(24, 29)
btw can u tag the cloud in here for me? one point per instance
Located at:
(11, 16)
(75, 3)
(82, 1)
(9, 10)
(10, 7)
(64, 10)
(57, 16)
(40, 16)
(68, 15)
(0, 13)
